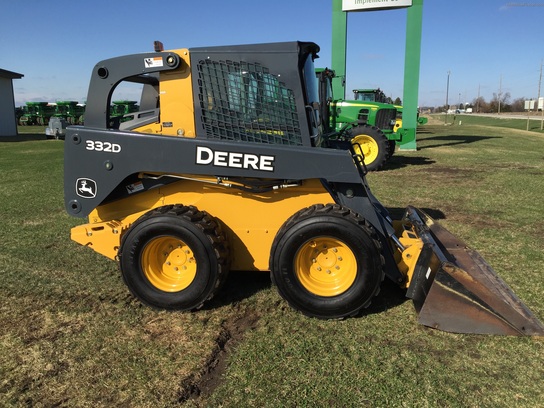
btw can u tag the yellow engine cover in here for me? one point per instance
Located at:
(250, 220)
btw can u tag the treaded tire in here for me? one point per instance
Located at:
(374, 142)
(392, 147)
(338, 290)
(190, 241)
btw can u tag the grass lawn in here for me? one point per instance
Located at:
(73, 336)
(504, 120)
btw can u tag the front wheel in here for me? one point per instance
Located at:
(392, 147)
(174, 257)
(371, 143)
(326, 262)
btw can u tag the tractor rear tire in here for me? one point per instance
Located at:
(326, 262)
(370, 142)
(174, 257)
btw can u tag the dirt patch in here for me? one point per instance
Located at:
(197, 387)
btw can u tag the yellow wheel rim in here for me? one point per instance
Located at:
(169, 264)
(325, 266)
(366, 146)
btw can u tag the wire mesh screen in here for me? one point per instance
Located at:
(245, 102)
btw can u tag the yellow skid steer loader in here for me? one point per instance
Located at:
(227, 165)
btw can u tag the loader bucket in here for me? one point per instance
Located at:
(455, 290)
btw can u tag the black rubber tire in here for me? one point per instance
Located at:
(378, 158)
(323, 222)
(198, 231)
(392, 147)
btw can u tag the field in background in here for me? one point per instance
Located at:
(505, 120)
(72, 336)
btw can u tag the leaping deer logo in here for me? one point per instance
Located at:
(86, 188)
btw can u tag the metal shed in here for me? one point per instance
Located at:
(8, 121)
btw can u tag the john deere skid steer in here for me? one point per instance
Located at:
(224, 166)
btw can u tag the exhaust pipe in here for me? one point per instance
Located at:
(455, 290)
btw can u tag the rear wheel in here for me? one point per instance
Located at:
(174, 257)
(371, 143)
(326, 262)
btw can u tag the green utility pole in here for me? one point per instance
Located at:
(414, 20)
(339, 45)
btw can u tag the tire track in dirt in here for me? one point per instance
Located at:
(197, 387)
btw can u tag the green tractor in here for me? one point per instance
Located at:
(120, 109)
(71, 111)
(369, 126)
(37, 113)
(377, 95)
(19, 112)
(66, 113)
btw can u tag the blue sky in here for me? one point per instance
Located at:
(485, 44)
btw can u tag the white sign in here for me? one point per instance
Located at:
(530, 105)
(362, 5)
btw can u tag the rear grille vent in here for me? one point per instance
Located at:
(385, 118)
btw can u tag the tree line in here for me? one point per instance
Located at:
(480, 105)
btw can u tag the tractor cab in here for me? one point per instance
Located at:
(370, 95)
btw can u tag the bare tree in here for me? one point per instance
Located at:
(504, 99)
(518, 105)
(480, 105)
